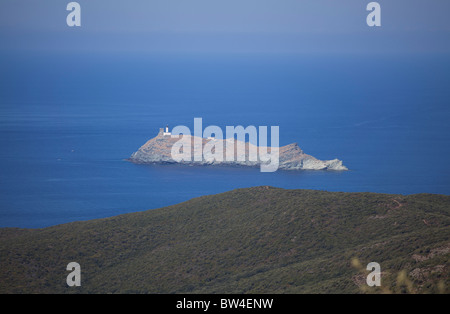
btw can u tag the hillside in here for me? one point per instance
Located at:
(255, 240)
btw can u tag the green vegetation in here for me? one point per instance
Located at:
(255, 240)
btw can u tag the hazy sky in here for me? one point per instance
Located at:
(226, 25)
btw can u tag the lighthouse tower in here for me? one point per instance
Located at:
(166, 131)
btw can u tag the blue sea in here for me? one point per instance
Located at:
(69, 121)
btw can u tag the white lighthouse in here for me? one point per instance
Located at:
(166, 131)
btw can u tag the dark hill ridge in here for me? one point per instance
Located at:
(255, 240)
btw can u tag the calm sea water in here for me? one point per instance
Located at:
(67, 122)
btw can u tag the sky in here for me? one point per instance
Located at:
(336, 26)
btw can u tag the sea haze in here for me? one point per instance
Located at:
(67, 122)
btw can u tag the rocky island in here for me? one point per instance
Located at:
(158, 150)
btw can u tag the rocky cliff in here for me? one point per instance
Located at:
(291, 157)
